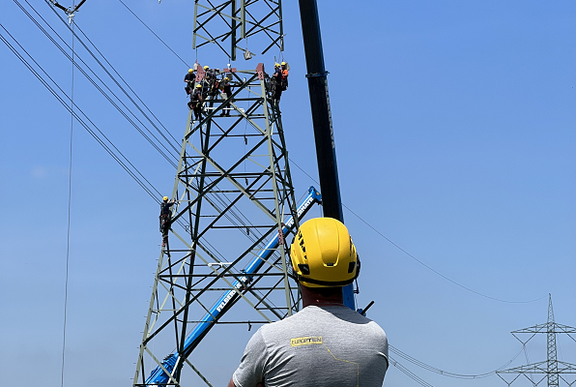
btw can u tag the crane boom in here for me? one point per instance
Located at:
(322, 121)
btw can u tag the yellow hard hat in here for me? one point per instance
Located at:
(206, 67)
(198, 85)
(277, 65)
(165, 198)
(190, 70)
(283, 63)
(323, 254)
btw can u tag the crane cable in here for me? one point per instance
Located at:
(69, 211)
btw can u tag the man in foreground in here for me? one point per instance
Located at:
(326, 343)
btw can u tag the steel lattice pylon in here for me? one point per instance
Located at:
(551, 369)
(234, 195)
(235, 205)
(229, 23)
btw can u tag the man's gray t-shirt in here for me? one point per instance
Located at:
(318, 346)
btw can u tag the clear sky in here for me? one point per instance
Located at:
(455, 130)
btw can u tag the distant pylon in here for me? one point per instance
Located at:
(551, 369)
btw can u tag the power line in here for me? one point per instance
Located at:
(133, 92)
(169, 157)
(116, 82)
(69, 212)
(408, 373)
(153, 33)
(73, 114)
(416, 259)
(448, 373)
(98, 135)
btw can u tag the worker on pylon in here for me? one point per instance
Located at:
(165, 218)
(196, 101)
(189, 79)
(284, 76)
(209, 82)
(213, 83)
(326, 343)
(226, 88)
(276, 83)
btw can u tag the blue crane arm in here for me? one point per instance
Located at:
(159, 377)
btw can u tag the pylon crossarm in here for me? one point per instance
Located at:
(524, 342)
(256, 27)
(566, 368)
(534, 368)
(564, 329)
(506, 381)
(529, 377)
(274, 43)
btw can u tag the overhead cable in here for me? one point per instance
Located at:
(170, 157)
(408, 373)
(68, 223)
(153, 33)
(416, 259)
(121, 87)
(447, 373)
(92, 128)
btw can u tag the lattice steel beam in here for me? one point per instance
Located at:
(227, 24)
(234, 194)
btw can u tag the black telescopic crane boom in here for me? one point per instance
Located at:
(321, 116)
(322, 121)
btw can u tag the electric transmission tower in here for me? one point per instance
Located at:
(234, 207)
(551, 369)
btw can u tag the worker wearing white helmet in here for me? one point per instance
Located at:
(326, 343)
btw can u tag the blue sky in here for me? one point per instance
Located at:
(455, 133)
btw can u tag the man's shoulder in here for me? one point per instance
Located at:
(317, 314)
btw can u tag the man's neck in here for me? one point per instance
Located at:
(312, 297)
